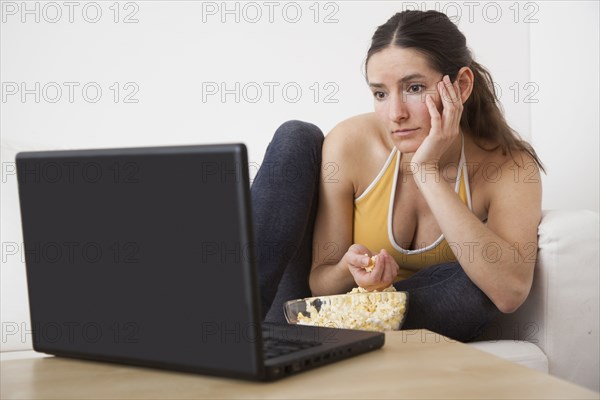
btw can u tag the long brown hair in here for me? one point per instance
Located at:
(445, 47)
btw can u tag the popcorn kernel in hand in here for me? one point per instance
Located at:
(369, 268)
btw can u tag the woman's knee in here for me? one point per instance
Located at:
(448, 302)
(475, 309)
(300, 130)
(300, 137)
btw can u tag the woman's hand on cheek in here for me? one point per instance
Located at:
(444, 127)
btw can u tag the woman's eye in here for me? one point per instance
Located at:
(379, 95)
(417, 88)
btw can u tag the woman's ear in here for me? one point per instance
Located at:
(465, 79)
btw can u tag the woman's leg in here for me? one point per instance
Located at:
(284, 202)
(443, 299)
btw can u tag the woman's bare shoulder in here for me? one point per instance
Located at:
(359, 133)
(357, 148)
(493, 173)
(491, 160)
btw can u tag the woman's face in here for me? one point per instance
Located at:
(399, 80)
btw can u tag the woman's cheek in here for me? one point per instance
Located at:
(381, 111)
(437, 100)
(419, 108)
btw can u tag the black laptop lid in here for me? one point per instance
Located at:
(142, 255)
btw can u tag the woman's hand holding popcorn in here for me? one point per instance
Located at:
(366, 275)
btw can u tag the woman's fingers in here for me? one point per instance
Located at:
(449, 94)
(391, 268)
(383, 274)
(456, 88)
(452, 106)
(358, 249)
(433, 113)
(361, 260)
(358, 256)
(378, 270)
(386, 276)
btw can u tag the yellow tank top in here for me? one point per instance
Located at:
(373, 219)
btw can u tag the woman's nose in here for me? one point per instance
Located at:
(398, 109)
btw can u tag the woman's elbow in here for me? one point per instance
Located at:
(511, 300)
(508, 307)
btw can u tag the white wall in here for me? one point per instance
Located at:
(565, 128)
(175, 49)
(171, 53)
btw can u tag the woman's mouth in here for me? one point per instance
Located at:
(404, 132)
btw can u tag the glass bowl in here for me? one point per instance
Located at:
(371, 311)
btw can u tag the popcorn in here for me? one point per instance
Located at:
(372, 261)
(358, 309)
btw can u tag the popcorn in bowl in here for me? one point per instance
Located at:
(358, 309)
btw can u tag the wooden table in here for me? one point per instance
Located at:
(412, 364)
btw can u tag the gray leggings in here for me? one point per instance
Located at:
(284, 193)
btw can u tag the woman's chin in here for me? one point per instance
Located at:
(407, 145)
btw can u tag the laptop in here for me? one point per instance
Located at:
(145, 256)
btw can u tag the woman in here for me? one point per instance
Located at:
(434, 182)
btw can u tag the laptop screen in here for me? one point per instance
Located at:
(142, 254)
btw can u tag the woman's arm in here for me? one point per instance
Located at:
(338, 265)
(333, 225)
(500, 257)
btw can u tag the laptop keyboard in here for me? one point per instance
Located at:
(274, 347)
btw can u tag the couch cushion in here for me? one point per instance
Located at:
(520, 352)
(561, 314)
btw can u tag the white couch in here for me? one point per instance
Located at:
(556, 330)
